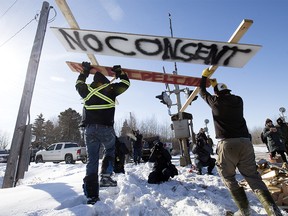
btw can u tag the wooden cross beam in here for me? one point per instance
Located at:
(62, 4)
(237, 35)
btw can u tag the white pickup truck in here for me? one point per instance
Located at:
(64, 151)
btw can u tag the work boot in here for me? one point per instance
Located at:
(92, 200)
(107, 181)
(199, 172)
(91, 188)
(240, 198)
(209, 171)
(268, 203)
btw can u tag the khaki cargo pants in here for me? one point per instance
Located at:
(238, 153)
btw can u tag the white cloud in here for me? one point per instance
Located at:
(113, 9)
(57, 79)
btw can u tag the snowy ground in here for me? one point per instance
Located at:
(56, 189)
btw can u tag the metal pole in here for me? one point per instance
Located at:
(177, 91)
(17, 140)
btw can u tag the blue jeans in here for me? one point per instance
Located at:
(95, 136)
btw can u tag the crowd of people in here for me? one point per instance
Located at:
(234, 149)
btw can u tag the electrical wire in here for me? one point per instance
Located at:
(35, 18)
(8, 9)
(55, 14)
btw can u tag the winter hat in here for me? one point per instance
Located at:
(280, 120)
(221, 87)
(99, 77)
(268, 120)
(159, 144)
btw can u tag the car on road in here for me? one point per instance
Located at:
(69, 152)
(4, 155)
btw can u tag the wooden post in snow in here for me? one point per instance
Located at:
(19, 131)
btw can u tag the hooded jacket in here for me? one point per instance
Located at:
(273, 139)
(99, 107)
(202, 150)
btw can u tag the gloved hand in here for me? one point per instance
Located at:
(206, 72)
(117, 70)
(86, 68)
(213, 82)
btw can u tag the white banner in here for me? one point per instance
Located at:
(156, 47)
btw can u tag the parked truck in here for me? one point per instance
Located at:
(64, 151)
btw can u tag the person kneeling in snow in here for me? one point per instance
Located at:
(202, 151)
(163, 169)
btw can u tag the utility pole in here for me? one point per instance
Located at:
(177, 91)
(179, 121)
(14, 159)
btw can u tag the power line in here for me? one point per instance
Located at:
(19, 30)
(35, 18)
(8, 9)
(55, 14)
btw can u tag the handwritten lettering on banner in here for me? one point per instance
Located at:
(156, 47)
(143, 75)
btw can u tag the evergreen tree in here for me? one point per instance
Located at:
(38, 130)
(51, 135)
(69, 121)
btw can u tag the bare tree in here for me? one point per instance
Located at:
(132, 121)
(4, 140)
(255, 134)
(149, 127)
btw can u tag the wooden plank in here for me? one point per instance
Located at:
(237, 35)
(63, 6)
(142, 75)
(270, 175)
(67, 13)
(153, 47)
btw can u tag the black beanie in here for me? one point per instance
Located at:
(99, 77)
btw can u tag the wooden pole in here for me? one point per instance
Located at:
(67, 13)
(62, 4)
(17, 140)
(237, 35)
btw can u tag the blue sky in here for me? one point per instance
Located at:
(262, 82)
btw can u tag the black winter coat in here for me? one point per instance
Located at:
(202, 150)
(100, 116)
(273, 139)
(227, 111)
(161, 158)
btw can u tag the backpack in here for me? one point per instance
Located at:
(263, 139)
